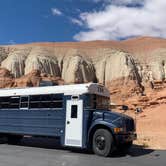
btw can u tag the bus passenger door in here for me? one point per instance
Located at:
(74, 123)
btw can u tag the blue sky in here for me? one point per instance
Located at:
(25, 21)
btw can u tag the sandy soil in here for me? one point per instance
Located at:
(151, 127)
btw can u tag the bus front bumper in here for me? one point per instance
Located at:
(124, 138)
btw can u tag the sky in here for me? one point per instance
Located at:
(26, 21)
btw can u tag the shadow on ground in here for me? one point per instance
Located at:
(52, 143)
(138, 150)
(134, 151)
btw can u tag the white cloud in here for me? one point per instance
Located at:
(56, 11)
(120, 21)
(96, 1)
(76, 21)
(126, 2)
(121, 2)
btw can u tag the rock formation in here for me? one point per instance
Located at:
(34, 78)
(140, 60)
(15, 61)
(77, 69)
(6, 78)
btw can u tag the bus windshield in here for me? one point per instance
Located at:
(97, 102)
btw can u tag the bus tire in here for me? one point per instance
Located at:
(102, 144)
(14, 139)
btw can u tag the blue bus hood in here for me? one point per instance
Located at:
(116, 119)
(109, 114)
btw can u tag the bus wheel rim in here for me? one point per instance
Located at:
(100, 142)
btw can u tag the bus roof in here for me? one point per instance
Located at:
(75, 89)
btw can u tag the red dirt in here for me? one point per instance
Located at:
(135, 46)
(151, 123)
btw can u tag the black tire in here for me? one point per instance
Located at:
(14, 139)
(102, 144)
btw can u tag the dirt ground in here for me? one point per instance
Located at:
(151, 127)
(151, 122)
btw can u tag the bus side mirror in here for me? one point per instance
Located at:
(125, 107)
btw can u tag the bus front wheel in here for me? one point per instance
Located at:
(102, 142)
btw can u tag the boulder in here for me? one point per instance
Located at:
(35, 77)
(6, 78)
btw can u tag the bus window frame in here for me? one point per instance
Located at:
(24, 108)
(93, 102)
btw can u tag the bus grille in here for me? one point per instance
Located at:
(130, 125)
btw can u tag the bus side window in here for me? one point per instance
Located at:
(14, 102)
(5, 102)
(74, 111)
(34, 101)
(24, 102)
(45, 101)
(57, 101)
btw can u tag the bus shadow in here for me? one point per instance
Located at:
(135, 151)
(138, 150)
(52, 143)
(46, 143)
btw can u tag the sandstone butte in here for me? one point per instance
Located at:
(134, 71)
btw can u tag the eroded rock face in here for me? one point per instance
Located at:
(23, 60)
(42, 59)
(15, 61)
(141, 59)
(113, 65)
(6, 78)
(158, 64)
(77, 69)
(34, 78)
(4, 51)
